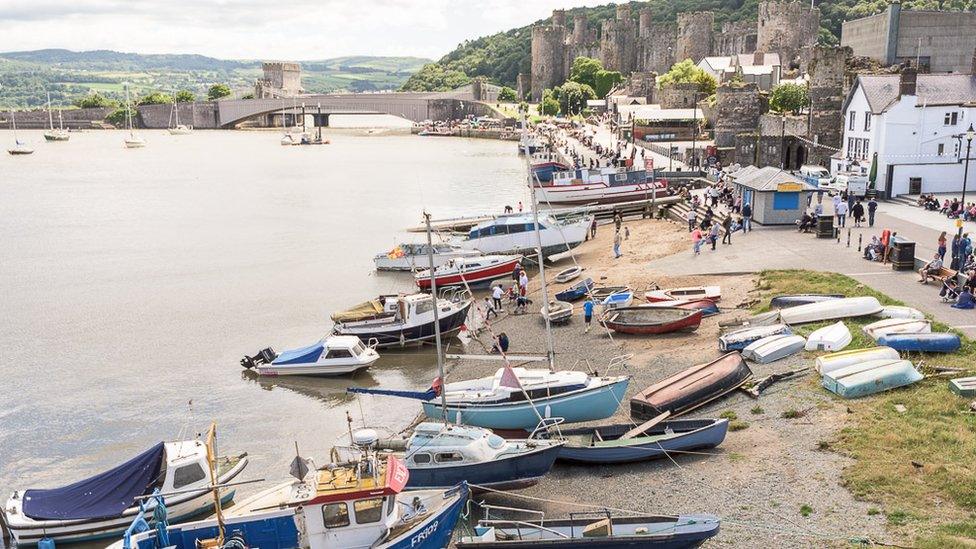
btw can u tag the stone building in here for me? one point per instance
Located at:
(827, 89)
(789, 29)
(280, 79)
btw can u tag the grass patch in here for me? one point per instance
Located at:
(736, 457)
(806, 510)
(933, 431)
(792, 414)
(873, 511)
(738, 425)
(729, 415)
(756, 410)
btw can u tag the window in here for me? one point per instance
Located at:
(853, 121)
(335, 515)
(951, 119)
(448, 457)
(786, 201)
(850, 146)
(392, 505)
(424, 306)
(187, 475)
(867, 121)
(338, 353)
(368, 510)
(941, 149)
(421, 459)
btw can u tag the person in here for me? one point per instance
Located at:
(806, 223)
(713, 234)
(521, 302)
(501, 343)
(965, 300)
(618, 220)
(727, 227)
(873, 250)
(954, 260)
(872, 208)
(616, 245)
(593, 228)
(508, 209)
(857, 212)
(950, 289)
(587, 314)
(692, 219)
(942, 246)
(836, 200)
(523, 283)
(496, 295)
(696, 240)
(841, 211)
(930, 269)
(490, 308)
(517, 271)
(626, 233)
(746, 217)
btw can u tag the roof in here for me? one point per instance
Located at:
(717, 63)
(749, 60)
(769, 179)
(882, 90)
(655, 112)
(757, 69)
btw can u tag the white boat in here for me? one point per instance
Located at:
(558, 311)
(413, 257)
(618, 300)
(566, 275)
(868, 378)
(20, 148)
(773, 348)
(52, 133)
(468, 271)
(512, 234)
(132, 141)
(835, 361)
(713, 293)
(847, 307)
(900, 311)
(890, 326)
(102, 506)
(598, 186)
(830, 338)
(332, 356)
(740, 339)
(404, 319)
(175, 128)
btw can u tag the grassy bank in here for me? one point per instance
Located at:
(918, 464)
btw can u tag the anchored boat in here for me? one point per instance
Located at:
(706, 306)
(609, 444)
(651, 320)
(599, 186)
(468, 271)
(331, 356)
(576, 291)
(404, 319)
(558, 311)
(868, 378)
(691, 388)
(515, 234)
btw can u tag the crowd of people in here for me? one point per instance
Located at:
(953, 209)
(706, 228)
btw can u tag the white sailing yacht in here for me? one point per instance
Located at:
(52, 134)
(132, 141)
(20, 147)
(175, 127)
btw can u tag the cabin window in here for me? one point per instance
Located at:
(335, 515)
(448, 457)
(391, 505)
(338, 353)
(359, 348)
(425, 306)
(530, 227)
(421, 459)
(368, 510)
(514, 229)
(187, 475)
(620, 177)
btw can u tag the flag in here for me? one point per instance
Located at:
(509, 379)
(874, 170)
(649, 164)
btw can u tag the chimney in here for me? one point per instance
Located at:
(909, 79)
(758, 58)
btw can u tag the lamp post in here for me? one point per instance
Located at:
(969, 135)
(694, 130)
(782, 143)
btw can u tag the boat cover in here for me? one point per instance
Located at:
(105, 495)
(365, 310)
(302, 355)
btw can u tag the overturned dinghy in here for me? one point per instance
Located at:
(833, 309)
(644, 320)
(566, 275)
(836, 361)
(576, 291)
(603, 292)
(795, 300)
(890, 326)
(868, 378)
(773, 348)
(558, 311)
(942, 342)
(829, 338)
(900, 311)
(762, 319)
(691, 388)
(740, 339)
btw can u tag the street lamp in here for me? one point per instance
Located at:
(969, 135)
(782, 143)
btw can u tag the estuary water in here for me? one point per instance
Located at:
(133, 281)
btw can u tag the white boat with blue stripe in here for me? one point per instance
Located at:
(331, 356)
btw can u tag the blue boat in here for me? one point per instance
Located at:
(606, 445)
(543, 171)
(619, 299)
(576, 291)
(870, 377)
(942, 342)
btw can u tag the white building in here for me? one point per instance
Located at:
(915, 124)
(762, 69)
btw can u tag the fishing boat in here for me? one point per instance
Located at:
(331, 356)
(132, 141)
(618, 300)
(793, 300)
(359, 504)
(403, 319)
(868, 378)
(713, 293)
(900, 311)
(691, 388)
(651, 320)
(576, 291)
(836, 361)
(566, 275)
(609, 444)
(890, 326)
(515, 234)
(602, 292)
(607, 185)
(468, 271)
(739, 339)
(706, 306)
(102, 506)
(942, 342)
(831, 338)
(411, 257)
(593, 530)
(543, 171)
(833, 309)
(20, 148)
(773, 348)
(558, 311)
(53, 134)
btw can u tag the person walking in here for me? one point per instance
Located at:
(523, 283)
(489, 309)
(954, 260)
(587, 314)
(593, 228)
(496, 296)
(942, 246)
(713, 234)
(746, 217)
(696, 240)
(692, 220)
(727, 230)
(616, 245)
(626, 233)
(872, 208)
(857, 212)
(841, 212)
(618, 220)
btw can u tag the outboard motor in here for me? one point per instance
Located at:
(264, 356)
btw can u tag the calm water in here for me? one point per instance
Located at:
(132, 282)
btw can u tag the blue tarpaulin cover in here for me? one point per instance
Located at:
(104, 495)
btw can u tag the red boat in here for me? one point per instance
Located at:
(470, 270)
(652, 320)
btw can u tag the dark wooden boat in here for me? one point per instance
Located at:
(603, 292)
(691, 388)
(607, 443)
(652, 320)
(576, 291)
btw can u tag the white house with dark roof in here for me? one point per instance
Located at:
(763, 69)
(916, 125)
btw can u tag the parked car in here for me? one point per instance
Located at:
(849, 182)
(817, 176)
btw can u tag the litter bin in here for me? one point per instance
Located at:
(902, 254)
(825, 226)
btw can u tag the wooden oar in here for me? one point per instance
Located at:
(640, 429)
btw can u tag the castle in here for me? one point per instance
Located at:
(628, 46)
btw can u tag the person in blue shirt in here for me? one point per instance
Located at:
(587, 314)
(965, 300)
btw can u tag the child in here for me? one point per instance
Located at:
(490, 308)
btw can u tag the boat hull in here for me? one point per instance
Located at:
(831, 338)
(795, 300)
(713, 293)
(472, 277)
(511, 473)
(868, 378)
(596, 193)
(835, 361)
(740, 339)
(687, 320)
(691, 388)
(922, 343)
(399, 336)
(773, 348)
(577, 291)
(891, 326)
(833, 309)
(690, 434)
(313, 370)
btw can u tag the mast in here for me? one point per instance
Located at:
(128, 113)
(60, 121)
(212, 462)
(50, 116)
(176, 111)
(437, 322)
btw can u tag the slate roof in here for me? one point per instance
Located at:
(767, 179)
(881, 90)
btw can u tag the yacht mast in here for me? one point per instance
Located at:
(437, 322)
(50, 116)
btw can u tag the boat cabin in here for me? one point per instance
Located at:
(509, 224)
(330, 349)
(435, 445)
(611, 177)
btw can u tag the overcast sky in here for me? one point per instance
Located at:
(264, 29)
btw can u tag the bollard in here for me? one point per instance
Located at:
(860, 238)
(848, 238)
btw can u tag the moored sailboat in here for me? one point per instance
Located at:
(20, 148)
(132, 141)
(53, 134)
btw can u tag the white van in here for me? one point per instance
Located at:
(851, 183)
(817, 176)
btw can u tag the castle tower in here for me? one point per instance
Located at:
(618, 42)
(695, 32)
(548, 54)
(737, 110)
(827, 92)
(787, 28)
(579, 30)
(644, 22)
(559, 18)
(623, 12)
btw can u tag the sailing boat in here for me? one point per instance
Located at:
(20, 147)
(54, 134)
(132, 141)
(177, 128)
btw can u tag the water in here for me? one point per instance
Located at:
(132, 282)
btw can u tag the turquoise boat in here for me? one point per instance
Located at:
(870, 377)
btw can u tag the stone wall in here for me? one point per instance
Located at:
(828, 88)
(656, 52)
(787, 28)
(201, 115)
(948, 39)
(736, 110)
(454, 109)
(695, 32)
(678, 96)
(643, 84)
(72, 118)
(618, 47)
(735, 37)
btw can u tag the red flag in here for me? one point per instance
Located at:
(509, 379)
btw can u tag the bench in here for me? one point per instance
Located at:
(944, 274)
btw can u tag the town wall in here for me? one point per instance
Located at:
(695, 32)
(72, 118)
(736, 110)
(678, 96)
(657, 48)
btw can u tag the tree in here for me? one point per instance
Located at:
(549, 105)
(584, 71)
(605, 81)
(507, 95)
(789, 97)
(116, 117)
(155, 98)
(94, 100)
(433, 77)
(687, 72)
(247, 96)
(572, 97)
(185, 96)
(218, 91)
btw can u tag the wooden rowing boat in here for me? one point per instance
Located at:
(891, 326)
(691, 292)
(707, 306)
(651, 320)
(566, 275)
(691, 388)
(868, 378)
(609, 444)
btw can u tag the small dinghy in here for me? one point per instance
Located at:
(942, 342)
(332, 356)
(794, 300)
(707, 306)
(773, 348)
(609, 444)
(836, 361)
(739, 339)
(692, 292)
(651, 320)
(868, 378)
(833, 309)
(900, 311)
(762, 319)
(576, 291)
(691, 388)
(568, 274)
(603, 292)
(618, 300)
(829, 338)
(890, 326)
(558, 311)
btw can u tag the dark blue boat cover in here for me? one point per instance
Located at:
(104, 495)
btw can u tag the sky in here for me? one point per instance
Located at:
(263, 29)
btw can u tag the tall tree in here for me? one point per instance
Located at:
(687, 72)
(218, 91)
(185, 96)
(584, 71)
